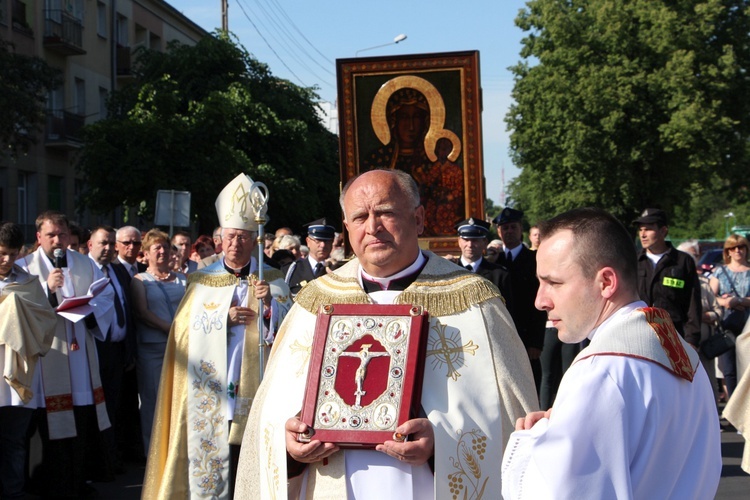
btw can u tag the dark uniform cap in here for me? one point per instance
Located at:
(320, 230)
(472, 228)
(508, 215)
(652, 216)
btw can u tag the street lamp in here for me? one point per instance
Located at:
(726, 224)
(398, 39)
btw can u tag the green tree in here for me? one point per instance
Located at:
(490, 210)
(194, 118)
(24, 84)
(625, 104)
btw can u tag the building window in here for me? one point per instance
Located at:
(155, 42)
(26, 197)
(101, 19)
(19, 16)
(103, 103)
(80, 104)
(122, 31)
(55, 193)
(3, 12)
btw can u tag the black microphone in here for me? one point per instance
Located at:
(59, 254)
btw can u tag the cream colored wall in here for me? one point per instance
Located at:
(94, 68)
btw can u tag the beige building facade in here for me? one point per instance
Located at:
(91, 42)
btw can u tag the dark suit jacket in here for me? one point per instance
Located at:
(123, 279)
(298, 274)
(530, 321)
(498, 275)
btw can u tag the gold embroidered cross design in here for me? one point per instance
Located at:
(305, 350)
(447, 350)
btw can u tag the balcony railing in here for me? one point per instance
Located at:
(63, 129)
(63, 32)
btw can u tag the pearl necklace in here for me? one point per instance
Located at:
(160, 278)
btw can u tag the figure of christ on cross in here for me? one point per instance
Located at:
(364, 356)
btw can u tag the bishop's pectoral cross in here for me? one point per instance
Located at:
(364, 356)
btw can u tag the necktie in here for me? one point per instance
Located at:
(319, 269)
(469, 268)
(509, 257)
(119, 313)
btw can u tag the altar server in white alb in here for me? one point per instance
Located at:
(477, 377)
(634, 415)
(27, 327)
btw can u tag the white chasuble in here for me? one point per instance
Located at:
(475, 384)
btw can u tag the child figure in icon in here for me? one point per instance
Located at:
(442, 190)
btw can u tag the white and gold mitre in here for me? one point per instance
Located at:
(236, 204)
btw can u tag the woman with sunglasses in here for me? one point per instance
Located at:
(731, 284)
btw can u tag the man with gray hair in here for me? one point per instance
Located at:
(289, 242)
(128, 245)
(476, 376)
(212, 360)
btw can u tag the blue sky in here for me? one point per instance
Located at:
(306, 38)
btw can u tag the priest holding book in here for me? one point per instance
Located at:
(70, 383)
(476, 378)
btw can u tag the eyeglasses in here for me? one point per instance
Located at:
(240, 238)
(130, 243)
(742, 247)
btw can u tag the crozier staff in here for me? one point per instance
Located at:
(211, 362)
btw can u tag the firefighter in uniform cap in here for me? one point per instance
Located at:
(667, 277)
(521, 263)
(472, 240)
(320, 236)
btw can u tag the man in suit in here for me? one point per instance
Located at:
(320, 236)
(521, 263)
(472, 240)
(118, 350)
(128, 248)
(128, 244)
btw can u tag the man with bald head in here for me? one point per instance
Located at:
(468, 397)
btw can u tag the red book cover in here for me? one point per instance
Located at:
(365, 374)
